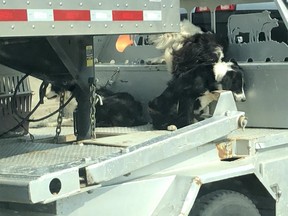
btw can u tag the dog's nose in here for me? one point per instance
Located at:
(240, 97)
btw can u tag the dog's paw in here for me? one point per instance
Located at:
(171, 128)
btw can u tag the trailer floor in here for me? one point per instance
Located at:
(22, 156)
(41, 155)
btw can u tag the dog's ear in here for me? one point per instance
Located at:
(227, 80)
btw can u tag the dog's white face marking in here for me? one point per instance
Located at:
(220, 69)
(240, 96)
(219, 53)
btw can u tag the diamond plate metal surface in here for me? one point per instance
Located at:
(22, 156)
(124, 130)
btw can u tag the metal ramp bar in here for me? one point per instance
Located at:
(132, 158)
(47, 172)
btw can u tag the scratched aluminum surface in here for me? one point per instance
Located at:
(123, 130)
(257, 133)
(22, 156)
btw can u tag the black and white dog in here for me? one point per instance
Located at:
(171, 42)
(205, 45)
(116, 110)
(191, 91)
(197, 69)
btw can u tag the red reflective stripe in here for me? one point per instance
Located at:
(230, 7)
(202, 9)
(125, 15)
(71, 15)
(13, 15)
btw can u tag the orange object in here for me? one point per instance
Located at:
(122, 42)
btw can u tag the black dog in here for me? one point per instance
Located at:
(201, 48)
(189, 91)
(197, 69)
(118, 109)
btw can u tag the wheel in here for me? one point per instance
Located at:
(224, 203)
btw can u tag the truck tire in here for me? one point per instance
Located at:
(224, 203)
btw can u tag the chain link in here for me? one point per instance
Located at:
(94, 99)
(93, 102)
(60, 117)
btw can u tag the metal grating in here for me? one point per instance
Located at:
(123, 130)
(24, 157)
(21, 157)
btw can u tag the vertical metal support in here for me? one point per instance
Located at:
(213, 20)
(283, 10)
(69, 63)
(83, 115)
(76, 53)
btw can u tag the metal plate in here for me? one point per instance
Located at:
(164, 17)
(35, 169)
(266, 86)
(40, 158)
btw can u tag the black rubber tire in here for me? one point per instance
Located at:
(224, 203)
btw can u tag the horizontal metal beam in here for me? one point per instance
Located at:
(84, 17)
(165, 146)
(190, 4)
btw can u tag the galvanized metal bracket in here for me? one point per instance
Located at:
(168, 145)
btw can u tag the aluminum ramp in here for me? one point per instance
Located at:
(33, 172)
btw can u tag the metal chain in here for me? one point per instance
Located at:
(112, 78)
(60, 117)
(93, 102)
(94, 99)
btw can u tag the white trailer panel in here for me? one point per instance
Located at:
(75, 17)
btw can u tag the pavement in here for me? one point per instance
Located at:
(49, 106)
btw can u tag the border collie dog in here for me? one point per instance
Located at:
(118, 109)
(195, 59)
(207, 47)
(191, 91)
(201, 48)
(170, 42)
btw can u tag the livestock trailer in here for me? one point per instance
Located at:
(223, 165)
